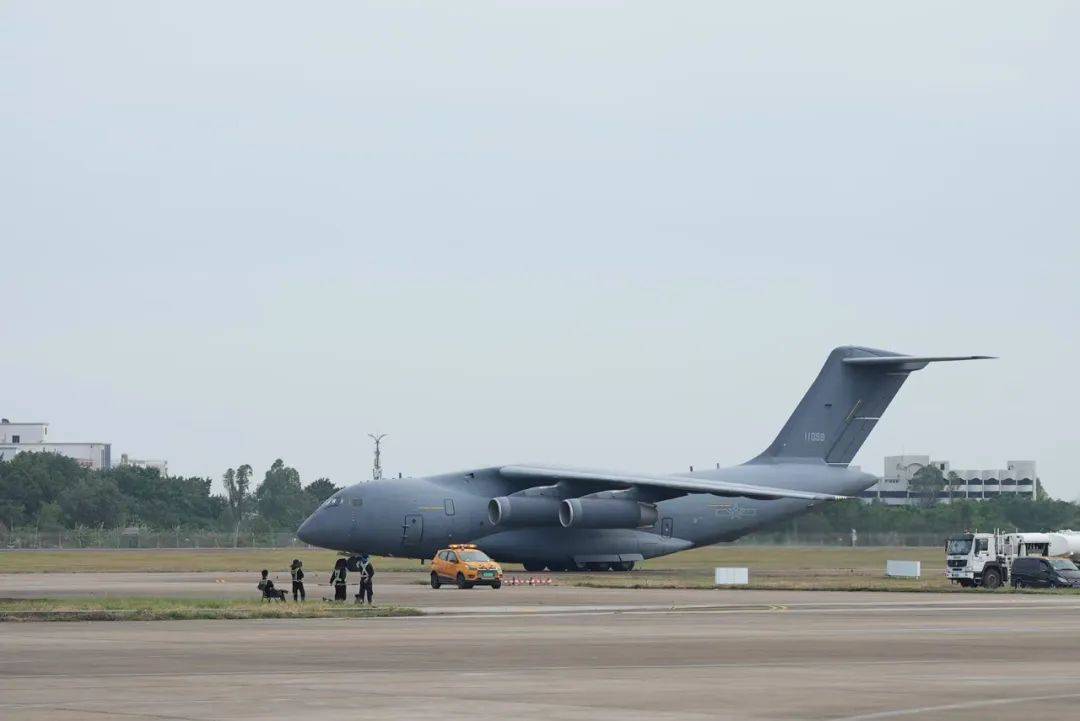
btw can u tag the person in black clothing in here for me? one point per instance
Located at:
(297, 571)
(337, 579)
(269, 592)
(367, 585)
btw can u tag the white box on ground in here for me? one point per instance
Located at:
(732, 576)
(903, 569)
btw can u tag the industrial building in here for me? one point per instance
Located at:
(24, 437)
(1017, 479)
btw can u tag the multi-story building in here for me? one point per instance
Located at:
(18, 438)
(1016, 479)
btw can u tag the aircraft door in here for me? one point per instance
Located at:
(665, 527)
(412, 530)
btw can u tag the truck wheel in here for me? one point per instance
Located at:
(435, 582)
(991, 578)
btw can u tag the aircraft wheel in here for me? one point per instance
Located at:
(992, 578)
(597, 567)
(533, 566)
(623, 566)
(435, 582)
(556, 567)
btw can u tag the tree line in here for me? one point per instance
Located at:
(943, 519)
(48, 491)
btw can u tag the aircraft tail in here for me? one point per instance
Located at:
(844, 403)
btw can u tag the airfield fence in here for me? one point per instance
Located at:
(195, 538)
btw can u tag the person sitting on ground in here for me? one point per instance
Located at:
(269, 592)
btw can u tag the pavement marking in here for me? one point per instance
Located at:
(294, 673)
(955, 707)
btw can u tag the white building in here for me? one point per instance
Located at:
(159, 463)
(18, 438)
(1016, 479)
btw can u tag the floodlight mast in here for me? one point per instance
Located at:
(376, 470)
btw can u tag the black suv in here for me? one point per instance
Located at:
(1034, 572)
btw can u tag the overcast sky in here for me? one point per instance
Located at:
(622, 235)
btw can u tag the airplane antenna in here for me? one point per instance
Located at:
(376, 470)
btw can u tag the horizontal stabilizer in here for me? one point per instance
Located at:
(909, 362)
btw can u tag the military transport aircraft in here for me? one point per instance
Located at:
(579, 518)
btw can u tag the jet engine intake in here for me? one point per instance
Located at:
(523, 511)
(605, 513)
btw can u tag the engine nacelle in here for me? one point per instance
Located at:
(605, 513)
(522, 511)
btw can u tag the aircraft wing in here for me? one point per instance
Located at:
(673, 485)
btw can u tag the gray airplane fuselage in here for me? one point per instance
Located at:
(415, 517)
(568, 517)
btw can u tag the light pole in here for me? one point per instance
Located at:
(376, 471)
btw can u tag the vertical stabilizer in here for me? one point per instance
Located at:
(843, 404)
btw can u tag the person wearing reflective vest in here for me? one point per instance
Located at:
(297, 571)
(337, 579)
(367, 584)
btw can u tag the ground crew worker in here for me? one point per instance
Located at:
(297, 571)
(267, 587)
(337, 579)
(367, 582)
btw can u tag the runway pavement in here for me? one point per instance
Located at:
(566, 653)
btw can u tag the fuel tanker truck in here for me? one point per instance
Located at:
(986, 559)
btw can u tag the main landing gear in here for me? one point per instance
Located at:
(595, 567)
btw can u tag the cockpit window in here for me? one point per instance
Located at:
(332, 501)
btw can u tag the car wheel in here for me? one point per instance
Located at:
(496, 584)
(992, 578)
(461, 582)
(435, 582)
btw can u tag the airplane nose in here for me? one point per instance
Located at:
(309, 531)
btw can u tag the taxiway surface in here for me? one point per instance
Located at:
(719, 654)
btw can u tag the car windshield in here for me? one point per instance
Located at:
(1063, 564)
(958, 546)
(474, 556)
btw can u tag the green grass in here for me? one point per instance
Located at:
(157, 609)
(809, 568)
(771, 567)
(180, 560)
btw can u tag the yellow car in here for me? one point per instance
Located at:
(465, 565)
